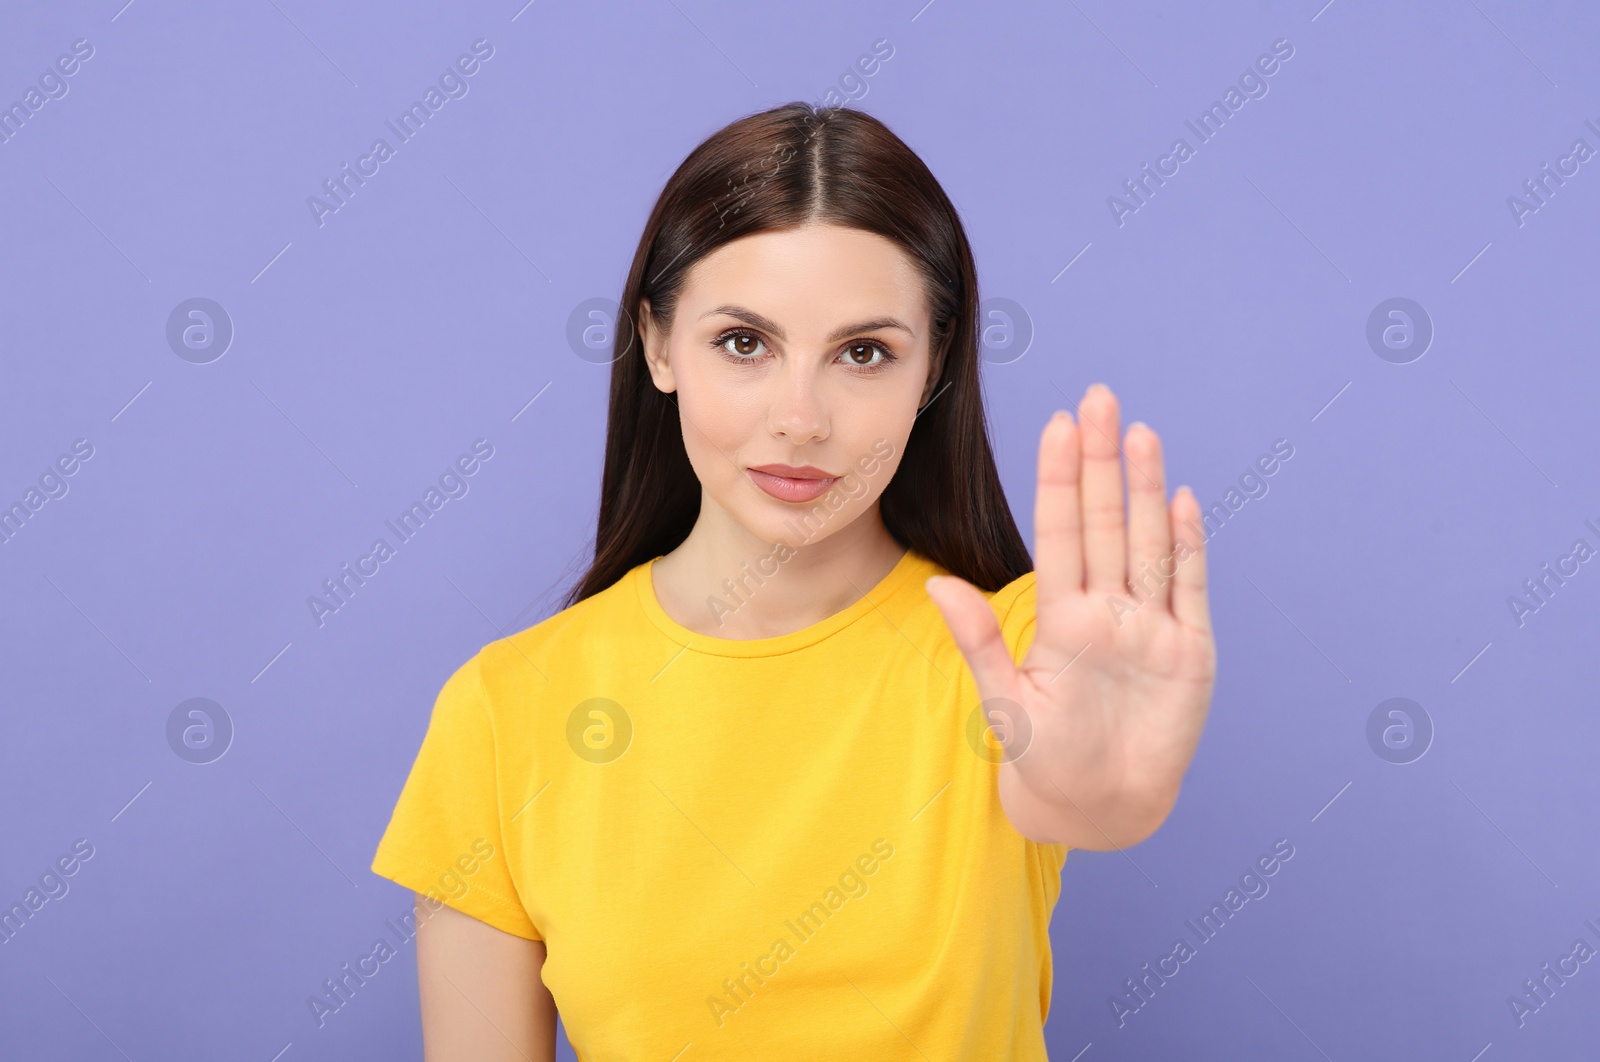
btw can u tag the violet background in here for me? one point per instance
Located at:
(1229, 311)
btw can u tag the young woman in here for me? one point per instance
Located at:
(794, 773)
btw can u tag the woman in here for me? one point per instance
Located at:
(772, 784)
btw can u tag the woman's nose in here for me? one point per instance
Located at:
(798, 408)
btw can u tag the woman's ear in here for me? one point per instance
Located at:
(654, 341)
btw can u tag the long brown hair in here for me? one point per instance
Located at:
(780, 169)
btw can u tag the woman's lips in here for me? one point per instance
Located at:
(787, 489)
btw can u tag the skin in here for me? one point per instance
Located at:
(481, 993)
(1114, 690)
(799, 398)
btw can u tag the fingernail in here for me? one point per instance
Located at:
(1137, 424)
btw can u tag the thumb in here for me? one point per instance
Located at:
(977, 634)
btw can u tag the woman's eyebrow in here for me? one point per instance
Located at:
(756, 320)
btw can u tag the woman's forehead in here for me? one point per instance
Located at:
(816, 278)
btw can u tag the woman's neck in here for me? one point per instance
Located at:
(725, 582)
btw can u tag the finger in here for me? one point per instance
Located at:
(1104, 540)
(1189, 602)
(1057, 521)
(972, 622)
(1149, 525)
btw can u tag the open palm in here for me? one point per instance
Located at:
(1101, 718)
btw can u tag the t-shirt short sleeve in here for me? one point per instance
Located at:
(444, 839)
(1018, 605)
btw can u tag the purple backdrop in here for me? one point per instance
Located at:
(1377, 252)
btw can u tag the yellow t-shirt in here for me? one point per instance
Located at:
(776, 848)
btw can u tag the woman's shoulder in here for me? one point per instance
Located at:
(607, 616)
(1015, 605)
(1018, 592)
(1013, 600)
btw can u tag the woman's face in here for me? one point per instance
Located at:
(801, 347)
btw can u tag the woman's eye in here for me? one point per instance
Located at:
(742, 345)
(860, 355)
